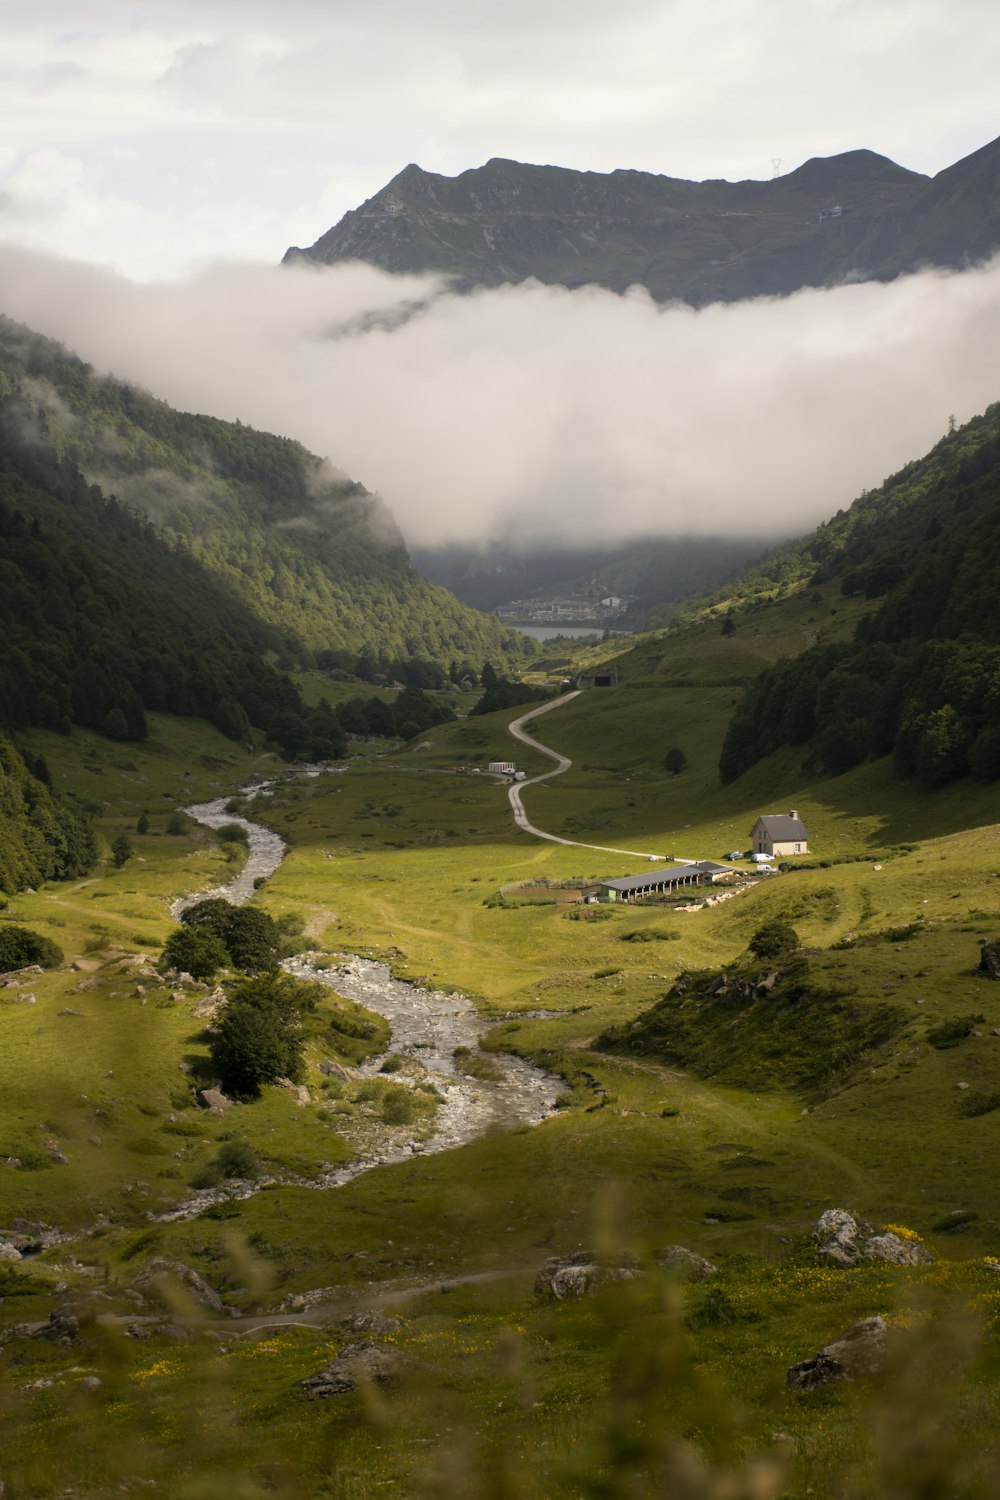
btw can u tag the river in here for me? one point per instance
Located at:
(427, 1027)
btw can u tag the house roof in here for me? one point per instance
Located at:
(671, 875)
(783, 827)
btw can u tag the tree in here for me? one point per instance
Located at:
(253, 1046)
(121, 851)
(142, 823)
(194, 951)
(728, 624)
(675, 761)
(258, 1038)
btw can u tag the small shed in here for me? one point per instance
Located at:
(501, 768)
(779, 834)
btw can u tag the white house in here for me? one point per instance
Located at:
(780, 834)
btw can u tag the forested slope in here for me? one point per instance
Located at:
(40, 838)
(101, 618)
(921, 677)
(309, 552)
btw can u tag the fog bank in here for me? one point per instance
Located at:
(565, 416)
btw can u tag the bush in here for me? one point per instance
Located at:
(951, 1033)
(194, 951)
(19, 947)
(237, 1158)
(774, 940)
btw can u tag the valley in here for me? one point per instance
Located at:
(400, 862)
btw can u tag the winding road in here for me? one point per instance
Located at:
(563, 763)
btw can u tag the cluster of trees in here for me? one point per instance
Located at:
(921, 679)
(41, 838)
(500, 692)
(215, 933)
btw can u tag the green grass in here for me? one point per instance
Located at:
(399, 857)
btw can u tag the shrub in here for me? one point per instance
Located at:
(19, 947)
(774, 940)
(951, 1033)
(237, 1158)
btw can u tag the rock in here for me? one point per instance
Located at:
(368, 1322)
(62, 1328)
(860, 1352)
(562, 1276)
(989, 958)
(67, 1011)
(157, 1275)
(214, 1100)
(54, 1152)
(85, 984)
(26, 999)
(680, 1258)
(331, 1069)
(846, 1241)
(9, 1252)
(91, 1382)
(358, 1365)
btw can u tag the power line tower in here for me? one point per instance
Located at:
(776, 166)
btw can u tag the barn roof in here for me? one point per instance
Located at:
(783, 827)
(671, 875)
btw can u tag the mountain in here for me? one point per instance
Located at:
(316, 562)
(853, 216)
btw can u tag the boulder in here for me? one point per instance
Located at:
(844, 1240)
(861, 1352)
(692, 1266)
(359, 1365)
(331, 1069)
(8, 1251)
(156, 1276)
(989, 958)
(214, 1100)
(562, 1276)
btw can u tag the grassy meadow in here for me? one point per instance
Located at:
(649, 1388)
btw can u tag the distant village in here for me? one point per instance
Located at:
(563, 611)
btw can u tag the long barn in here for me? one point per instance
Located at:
(663, 882)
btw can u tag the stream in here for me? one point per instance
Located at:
(427, 1027)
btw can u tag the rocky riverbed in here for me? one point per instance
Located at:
(427, 1028)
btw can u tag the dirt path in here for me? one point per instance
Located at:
(563, 763)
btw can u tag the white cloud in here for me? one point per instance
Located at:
(566, 415)
(332, 99)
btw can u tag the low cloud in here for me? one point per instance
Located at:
(552, 415)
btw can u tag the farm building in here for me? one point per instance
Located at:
(780, 834)
(501, 768)
(664, 882)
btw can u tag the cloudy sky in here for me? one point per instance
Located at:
(153, 136)
(156, 159)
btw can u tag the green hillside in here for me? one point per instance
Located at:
(917, 679)
(308, 552)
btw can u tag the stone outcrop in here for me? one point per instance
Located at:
(860, 1353)
(843, 1240)
(692, 1266)
(563, 1276)
(359, 1365)
(156, 1277)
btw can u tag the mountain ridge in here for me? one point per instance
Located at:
(855, 215)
